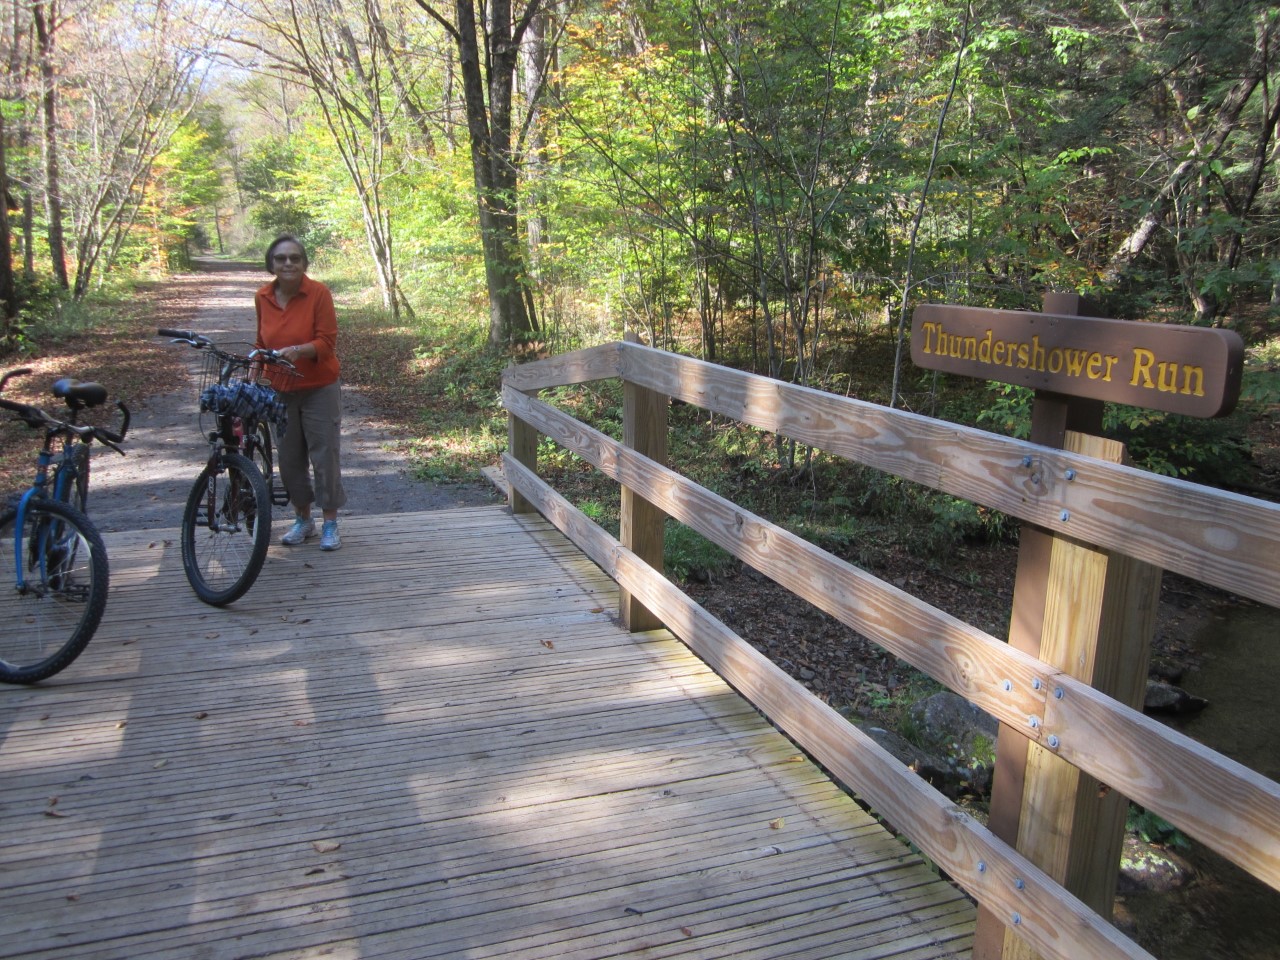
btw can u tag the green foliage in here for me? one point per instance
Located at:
(268, 177)
(687, 555)
(1152, 828)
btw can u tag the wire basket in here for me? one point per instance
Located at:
(232, 384)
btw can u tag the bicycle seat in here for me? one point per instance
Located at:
(80, 395)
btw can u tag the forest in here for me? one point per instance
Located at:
(760, 183)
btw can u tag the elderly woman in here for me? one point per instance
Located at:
(296, 317)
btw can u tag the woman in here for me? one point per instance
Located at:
(296, 317)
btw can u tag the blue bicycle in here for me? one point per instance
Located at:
(53, 565)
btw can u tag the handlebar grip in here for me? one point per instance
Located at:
(114, 438)
(176, 334)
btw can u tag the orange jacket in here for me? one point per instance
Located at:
(308, 317)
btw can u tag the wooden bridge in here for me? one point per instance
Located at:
(460, 737)
(436, 743)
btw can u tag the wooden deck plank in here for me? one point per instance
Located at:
(435, 743)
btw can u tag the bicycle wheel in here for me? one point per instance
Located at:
(262, 453)
(50, 619)
(226, 528)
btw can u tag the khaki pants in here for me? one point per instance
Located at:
(312, 443)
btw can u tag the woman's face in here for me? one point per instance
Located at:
(288, 262)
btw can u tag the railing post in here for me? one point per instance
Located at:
(644, 429)
(1091, 614)
(522, 444)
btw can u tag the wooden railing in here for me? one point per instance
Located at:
(1219, 538)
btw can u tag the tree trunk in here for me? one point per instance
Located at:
(8, 289)
(44, 14)
(1226, 119)
(493, 162)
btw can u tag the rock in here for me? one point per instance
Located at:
(1145, 867)
(1165, 671)
(1166, 698)
(951, 745)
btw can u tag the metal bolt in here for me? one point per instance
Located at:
(982, 866)
(1064, 516)
(1036, 684)
(1017, 919)
(1008, 685)
(1026, 461)
(1019, 882)
(1071, 475)
(1035, 722)
(1054, 741)
(1058, 693)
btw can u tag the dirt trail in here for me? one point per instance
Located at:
(148, 487)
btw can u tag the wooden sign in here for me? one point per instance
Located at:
(1189, 370)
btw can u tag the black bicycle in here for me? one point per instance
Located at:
(226, 525)
(50, 551)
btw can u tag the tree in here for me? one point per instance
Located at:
(44, 16)
(1211, 107)
(488, 84)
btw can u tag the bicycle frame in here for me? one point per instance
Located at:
(63, 460)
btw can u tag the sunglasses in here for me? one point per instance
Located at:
(287, 258)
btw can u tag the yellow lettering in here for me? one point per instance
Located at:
(1037, 355)
(929, 328)
(1095, 366)
(1024, 356)
(1055, 360)
(1075, 361)
(1142, 361)
(1189, 374)
(1111, 362)
(984, 349)
(997, 353)
(1168, 378)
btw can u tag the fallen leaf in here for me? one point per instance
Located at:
(151, 545)
(778, 824)
(797, 758)
(202, 714)
(302, 723)
(548, 644)
(597, 609)
(122, 724)
(211, 636)
(50, 812)
(634, 912)
(325, 846)
(158, 764)
(73, 897)
(686, 931)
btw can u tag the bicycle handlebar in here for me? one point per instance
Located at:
(201, 342)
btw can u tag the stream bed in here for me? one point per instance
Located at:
(1223, 913)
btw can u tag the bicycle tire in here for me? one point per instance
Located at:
(262, 453)
(226, 528)
(49, 622)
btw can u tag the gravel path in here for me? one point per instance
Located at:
(148, 487)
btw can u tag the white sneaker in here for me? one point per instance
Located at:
(329, 539)
(304, 528)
